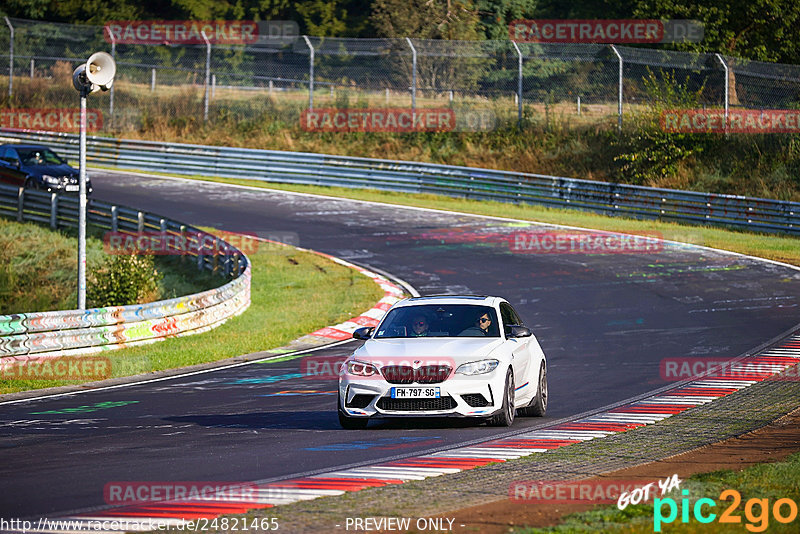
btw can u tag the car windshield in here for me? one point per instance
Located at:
(440, 320)
(39, 156)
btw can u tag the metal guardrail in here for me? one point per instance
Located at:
(755, 214)
(61, 333)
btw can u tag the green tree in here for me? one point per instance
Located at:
(648, 153)
(496, 15)
(426, 19)
(74, 11)
(332, 18)
(443, 65)
(764, 30)
(323, 17)
(595, 9)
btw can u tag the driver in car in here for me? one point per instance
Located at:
(419, 326)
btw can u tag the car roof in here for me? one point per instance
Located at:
(450, 299)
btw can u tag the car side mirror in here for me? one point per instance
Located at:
(16, 163)
(365, 332)
(515, 330)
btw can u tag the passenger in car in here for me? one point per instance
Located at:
(480, 328)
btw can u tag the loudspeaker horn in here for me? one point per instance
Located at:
(100, 70)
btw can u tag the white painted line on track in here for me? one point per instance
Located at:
(434, 210)
(172, 377)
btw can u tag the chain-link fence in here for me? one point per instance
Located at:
(584, 83)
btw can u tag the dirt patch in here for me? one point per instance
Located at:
(771, 443)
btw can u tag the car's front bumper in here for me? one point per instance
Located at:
(69, 189)
(460, 396)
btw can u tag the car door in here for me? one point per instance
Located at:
(9, 171)
(521, 354)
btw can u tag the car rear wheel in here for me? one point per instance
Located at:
(347, 422)
(538, 405)
(506, 415)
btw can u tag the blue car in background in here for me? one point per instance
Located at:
(38, 167)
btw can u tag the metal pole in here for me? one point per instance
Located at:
(82, 209)
(579, 104)
(619, 103)
(111, 91)
(152, 80)
(208, 75)
(213, 85)
(310, 73)
(53, 211)
(519, 82)
(33, 63)
(413, 74)
(727, 88)
(10, 58)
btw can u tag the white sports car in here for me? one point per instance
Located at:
(444, 356)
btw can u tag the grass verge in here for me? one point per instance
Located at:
(293, 293)
(767, 481)
(773, 247)
(38, 269)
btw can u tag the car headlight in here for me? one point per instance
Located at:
(477, 368)
(357, 368)
(52, 180)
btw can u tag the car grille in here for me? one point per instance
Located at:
(476, 400)
(416, 405)
(427, 374)
(360, 400)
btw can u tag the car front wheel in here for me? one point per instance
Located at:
(347, 422)
(538, 405)
(506, 415)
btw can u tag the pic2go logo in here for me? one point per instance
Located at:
(756, 511)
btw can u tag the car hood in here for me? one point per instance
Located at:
(52, 170)
(426, 350)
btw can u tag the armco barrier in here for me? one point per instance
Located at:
(61, 333)
(754, 214)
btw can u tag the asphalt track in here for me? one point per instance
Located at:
(604, 321)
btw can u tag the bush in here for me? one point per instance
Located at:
(123, 280)
(648, 153)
